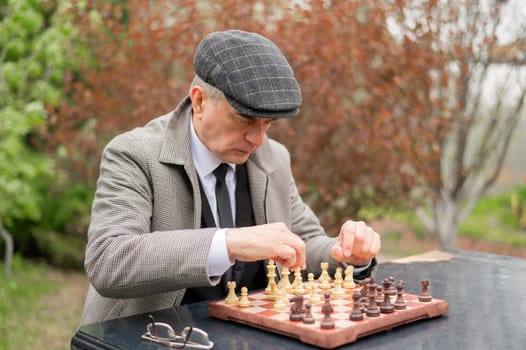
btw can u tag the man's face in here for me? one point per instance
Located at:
(225, 132)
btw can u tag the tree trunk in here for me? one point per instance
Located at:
(446, 215)
(9, 248)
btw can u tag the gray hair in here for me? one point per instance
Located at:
(214, 93)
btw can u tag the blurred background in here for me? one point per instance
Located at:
(413, 119)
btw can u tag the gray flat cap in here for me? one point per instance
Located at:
(251, 71)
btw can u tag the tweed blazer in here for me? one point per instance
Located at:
(145, 244)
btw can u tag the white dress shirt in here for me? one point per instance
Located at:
(205, 163)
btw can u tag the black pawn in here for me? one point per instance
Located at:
(400, 303)
(327, 321)
(308, 318)
(386, 307)
(356, 314)
(372, 309)
(392, 289)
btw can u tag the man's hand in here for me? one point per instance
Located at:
(271, 241)
(357, 244)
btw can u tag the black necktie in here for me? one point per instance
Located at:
(224, 209)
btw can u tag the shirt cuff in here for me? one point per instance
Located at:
(365, 271)
(360, 269)
(218, 260)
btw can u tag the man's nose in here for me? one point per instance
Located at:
(256, 134)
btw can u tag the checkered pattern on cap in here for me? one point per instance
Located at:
(251, 71)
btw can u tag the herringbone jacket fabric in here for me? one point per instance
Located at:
(145, 244)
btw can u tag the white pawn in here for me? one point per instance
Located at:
(310, 280)
(284, 282)
(282, 302)
(338, 291)
(314, 297)
(244, 302)
(297, 285)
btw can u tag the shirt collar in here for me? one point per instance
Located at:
(205, 161)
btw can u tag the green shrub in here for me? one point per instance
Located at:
(518, 205)
(66, 251)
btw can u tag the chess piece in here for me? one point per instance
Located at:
(363, 284)
(348, 282)
(338, 291)
(424, 295)
(389, 288)
(297, 285)
(386, 307)
(392, 288)
(271, 275)
(284, 282)
(379, 295)
(231, 298)
(325, 279)
(308, 318)
(281, 300)
(327, 322)
(314, 297)
(296, 308)
(364, 300)
(400, 303)
(372, 308)
(243, 301)
(356, 314)
(310, 279)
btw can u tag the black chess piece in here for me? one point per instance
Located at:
(424, 295)
(296, 308)
(356, 314)
(379, 295)
(400, 303)
(327, 322)
(372, 308)
(392, 289)
(387, 307)
(308, 318)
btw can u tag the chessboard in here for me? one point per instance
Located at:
(372, 308)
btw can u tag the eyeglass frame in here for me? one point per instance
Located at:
(176, 341)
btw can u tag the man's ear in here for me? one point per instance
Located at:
(197, 96)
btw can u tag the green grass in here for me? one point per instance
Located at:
(491, 225)
(492, 220)
(18, 296)
(34, 310)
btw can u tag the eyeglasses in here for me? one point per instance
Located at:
(163, 333)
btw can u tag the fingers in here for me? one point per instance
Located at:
(347, 238)
(287, 257)
(272, 241)
(291, 253)
(357, 243)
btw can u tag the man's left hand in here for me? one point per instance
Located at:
(357, 244)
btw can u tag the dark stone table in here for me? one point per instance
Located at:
(487, 310)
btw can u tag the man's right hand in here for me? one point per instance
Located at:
(271, 241)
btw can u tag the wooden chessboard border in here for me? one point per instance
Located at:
(330, 338)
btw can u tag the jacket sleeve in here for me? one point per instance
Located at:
(124, 258)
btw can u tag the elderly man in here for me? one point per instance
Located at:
(201, 196)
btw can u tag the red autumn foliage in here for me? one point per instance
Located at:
(370, 129)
